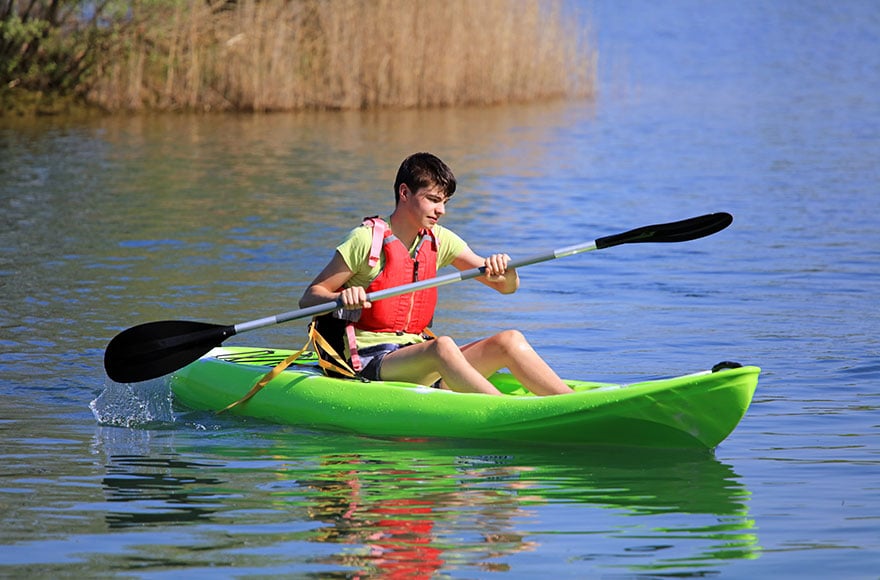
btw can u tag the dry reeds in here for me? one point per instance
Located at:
(274, 55)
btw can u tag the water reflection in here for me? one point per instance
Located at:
(404, 525)
(212, 491)
(413, 508)
(169, 482)
(156, 487)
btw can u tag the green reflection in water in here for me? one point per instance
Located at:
(340, 504)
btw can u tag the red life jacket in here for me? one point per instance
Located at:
(409, 313)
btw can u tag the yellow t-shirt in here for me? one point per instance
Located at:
(355, 250)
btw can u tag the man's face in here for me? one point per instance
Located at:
(427, 205)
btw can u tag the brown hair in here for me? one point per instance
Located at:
(424, 170)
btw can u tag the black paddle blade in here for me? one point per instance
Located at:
(154, 349)
(681, 231)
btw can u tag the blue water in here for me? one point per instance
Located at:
(770, 111)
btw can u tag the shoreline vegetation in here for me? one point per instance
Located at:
(117, 56)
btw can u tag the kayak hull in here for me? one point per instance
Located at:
(692, 411)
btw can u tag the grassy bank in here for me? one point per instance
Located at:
(276, 55)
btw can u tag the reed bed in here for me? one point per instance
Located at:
(277, 55)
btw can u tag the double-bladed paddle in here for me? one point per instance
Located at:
(154, 349)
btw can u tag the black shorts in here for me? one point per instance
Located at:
(372, 357)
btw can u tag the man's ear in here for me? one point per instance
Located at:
(403, 192)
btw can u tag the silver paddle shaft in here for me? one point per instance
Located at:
(435, 282)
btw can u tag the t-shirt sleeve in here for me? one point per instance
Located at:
(450, 245)
(355, 248)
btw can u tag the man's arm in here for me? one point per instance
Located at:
(326, 285)
(498, 275)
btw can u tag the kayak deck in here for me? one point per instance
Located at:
(698, 410)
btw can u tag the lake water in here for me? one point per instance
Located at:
(767, 110)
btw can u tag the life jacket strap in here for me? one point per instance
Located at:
(379, 227)
(264, 380)
(337, 364)
(334, 361)
(356, 363)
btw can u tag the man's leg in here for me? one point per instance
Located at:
(425, 362)
(511, 350)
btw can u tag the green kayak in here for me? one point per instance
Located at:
(697, 411)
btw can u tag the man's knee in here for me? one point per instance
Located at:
(444, 347)
(511, 340)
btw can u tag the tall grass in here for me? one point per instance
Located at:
(272, 55)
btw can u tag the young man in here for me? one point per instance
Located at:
(411, 245)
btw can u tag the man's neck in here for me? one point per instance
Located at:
(405, 231)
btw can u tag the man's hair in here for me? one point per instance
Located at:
(424, 170)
